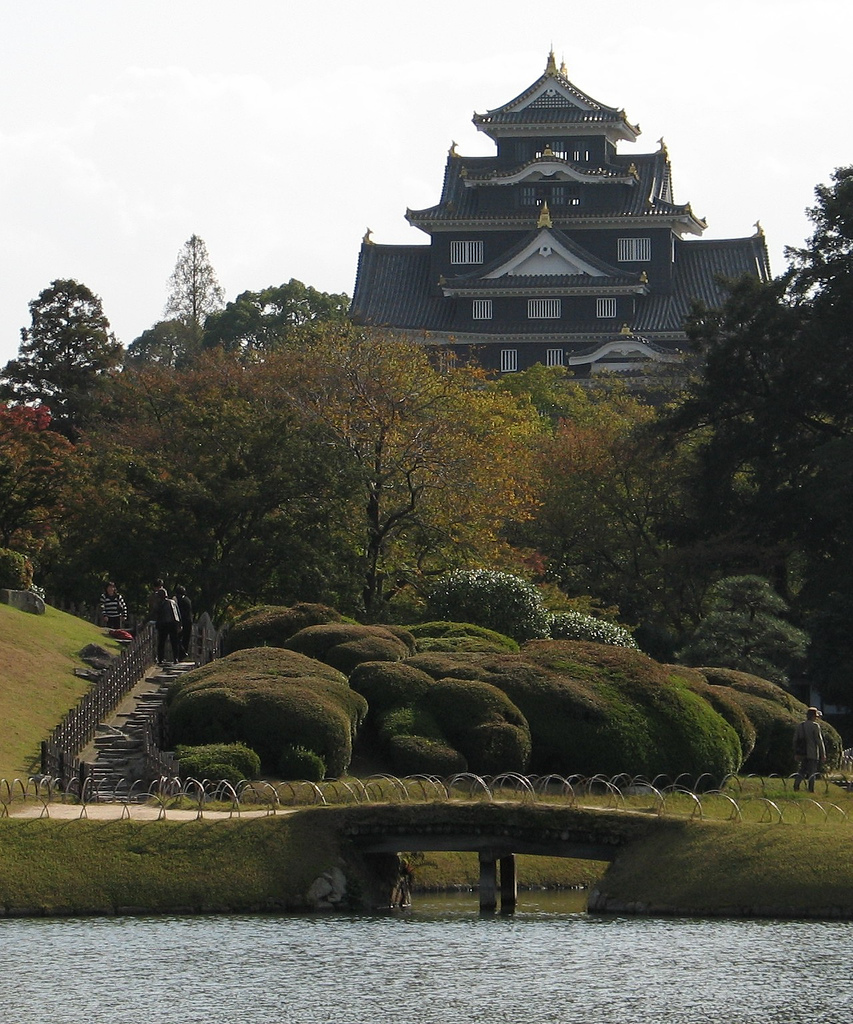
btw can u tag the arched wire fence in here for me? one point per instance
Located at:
(751, 798)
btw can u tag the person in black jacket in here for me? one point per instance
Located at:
(163, 612)
(186, 609)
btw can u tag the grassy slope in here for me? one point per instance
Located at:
(37, 681)
(731, 869)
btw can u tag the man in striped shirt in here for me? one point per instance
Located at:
(112, 607)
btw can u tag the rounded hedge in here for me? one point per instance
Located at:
(419, 755)
(387, 685)
(346, 645)
(273, 626)
(593, 708)
(268, 698)
(299, 762)
(460, 636)
(482, 723)
(774, 714)
(497, 600)
(210, 760)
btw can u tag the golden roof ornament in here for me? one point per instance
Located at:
(547, 151)
(644, 278)
(551, 67)
(632, 170)
(563, 70)
(452, 150)
(367, 240)
(759, 230)
(625, 329)
(662, 145)
(544, 217)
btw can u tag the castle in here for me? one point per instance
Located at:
(557, 250)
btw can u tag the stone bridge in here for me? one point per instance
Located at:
(495, 831)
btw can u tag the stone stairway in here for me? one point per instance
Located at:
(116, 757)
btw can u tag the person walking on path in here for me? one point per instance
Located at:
(112, 609)
(186, 609)
(809, 749)
(163, 612)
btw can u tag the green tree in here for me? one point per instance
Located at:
(65, 357)
(771, 417)
(194, 292)
(207, 476)
(167, 343)
(259, 323)
(744, 629)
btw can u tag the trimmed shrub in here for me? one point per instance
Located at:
(482, 723)
(577, 626)
(387, 685)
(300, 763)
(626, 713)
(462, 637)
(16, 570)
(774, 714)
(496, 600)
(208, 762)
(723, 701)
(267, 698)
(419, 755)
(273, 626)
(595, 708)
(346, 645)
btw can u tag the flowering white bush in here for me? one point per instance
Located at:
(496, 600)
(577, 626)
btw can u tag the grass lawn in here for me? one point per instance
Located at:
(38, 655)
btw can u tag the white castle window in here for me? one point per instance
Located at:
(509, 360)
(554, 357)
(544, 309)
(634, 250)
(605, 307)
(466, 252)
(481, 309)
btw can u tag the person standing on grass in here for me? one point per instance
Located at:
(112, 609)
(809, 749)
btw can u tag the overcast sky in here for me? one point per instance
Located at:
(279, 130)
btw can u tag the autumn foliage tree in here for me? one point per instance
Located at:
(36, 467)
(441, 461)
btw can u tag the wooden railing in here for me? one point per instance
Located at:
(60, 752)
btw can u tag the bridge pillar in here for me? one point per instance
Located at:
(488, 883)
(509, 884)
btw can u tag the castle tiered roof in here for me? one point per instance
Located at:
(557, 245)
(553, 102)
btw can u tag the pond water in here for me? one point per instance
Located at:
(441, 963)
